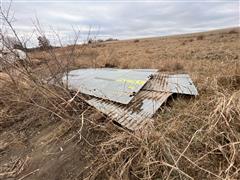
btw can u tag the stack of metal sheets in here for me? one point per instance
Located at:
(129, 96)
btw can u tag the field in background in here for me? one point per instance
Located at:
(47, 135)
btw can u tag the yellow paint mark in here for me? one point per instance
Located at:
(131, 87)
(131, 81)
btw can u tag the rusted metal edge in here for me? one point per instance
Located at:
(137, 113)
(176, 83)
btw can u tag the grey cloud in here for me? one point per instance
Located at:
(127, 19)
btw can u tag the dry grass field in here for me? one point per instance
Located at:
(45, 134)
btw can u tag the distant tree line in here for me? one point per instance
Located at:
(12, 43)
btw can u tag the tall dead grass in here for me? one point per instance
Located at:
(196, 138)
(197, 142)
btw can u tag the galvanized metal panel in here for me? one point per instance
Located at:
(137, 113)
(119, 85)
(116, 92)
(177, 83)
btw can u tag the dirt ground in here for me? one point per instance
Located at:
(45, 135)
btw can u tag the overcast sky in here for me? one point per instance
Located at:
(122, 19)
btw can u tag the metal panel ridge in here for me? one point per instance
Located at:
(137, 113)
(176, 83)
(118, 85)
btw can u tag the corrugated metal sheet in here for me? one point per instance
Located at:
(119, 85)
(177, 83)
(136, 114)
(131, 96)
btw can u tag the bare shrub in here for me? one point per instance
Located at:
(229, 82)
(111, 39)
(233, 32)
(176, 66)
(108, 65)
(90, 41)
(43, 42)
(111, 60)
(222, 35)
(191, 40)
(200, 37)
(9, 42)
(136, 40)
(100, 40)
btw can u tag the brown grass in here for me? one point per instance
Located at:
(63, 138)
